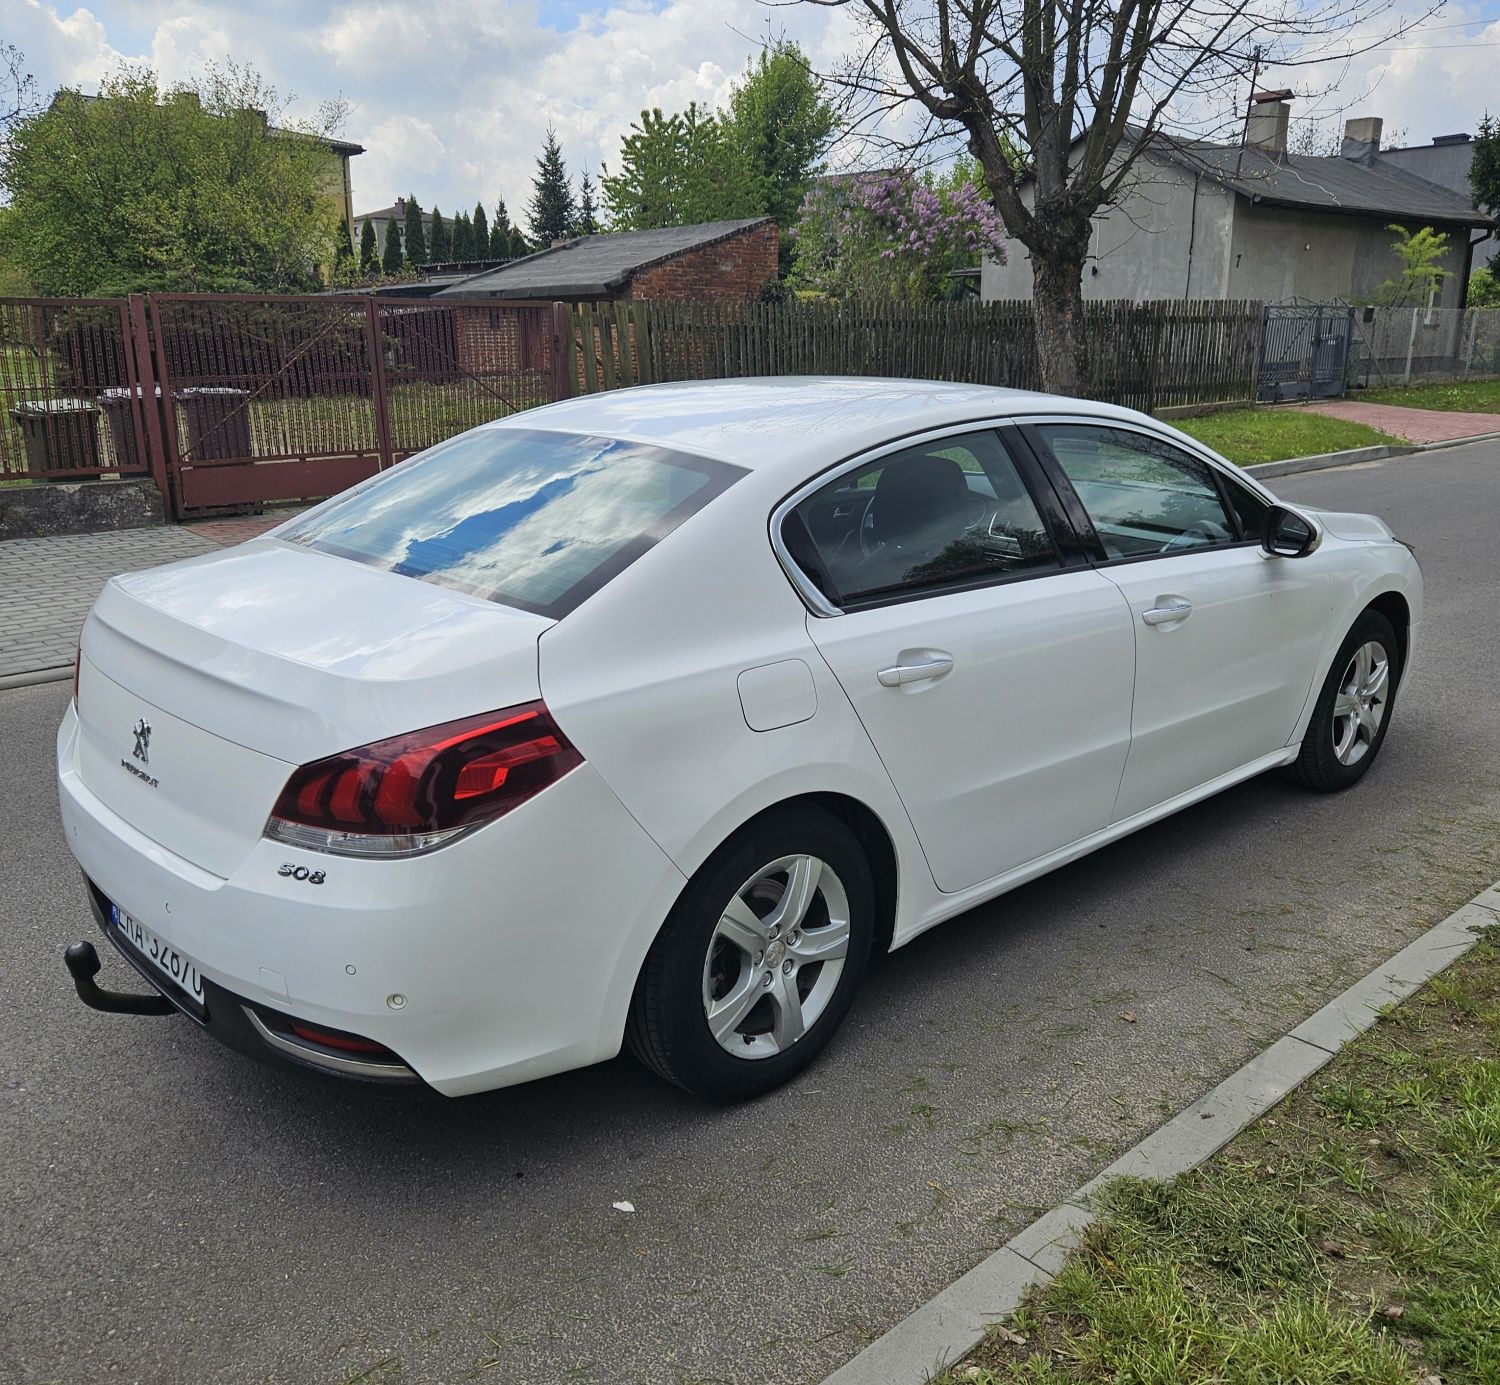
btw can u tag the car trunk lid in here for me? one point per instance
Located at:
(243, 664)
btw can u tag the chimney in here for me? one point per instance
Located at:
(1266, 127)
(1362, 139)
(1440, 140)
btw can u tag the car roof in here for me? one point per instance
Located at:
(791, 422)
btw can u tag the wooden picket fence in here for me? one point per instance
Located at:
(1144, 355)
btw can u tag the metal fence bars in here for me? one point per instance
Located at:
(69, 390)
(289, 398)
(231, 401)
(1304, 351)
(1406, 344)
(1146, 355)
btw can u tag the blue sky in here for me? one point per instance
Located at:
(451, 97)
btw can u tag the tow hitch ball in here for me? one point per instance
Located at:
(83, 966)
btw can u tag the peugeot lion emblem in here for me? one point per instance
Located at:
(142, 751)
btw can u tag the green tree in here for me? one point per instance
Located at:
(551, 212)
(519, 245)
(415, 237)
(1421, 275)
(463, 238)
(180, 188)
(369, 251)
(782, 122)
(677, 170)
(481, 232)
(1484, 171)
(500, 228)
(391, 258)
(439, 240)
(1484, 288)
(588, 212)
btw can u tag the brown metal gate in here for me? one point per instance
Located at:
(234, 401)
(295, 398)
(70, 396)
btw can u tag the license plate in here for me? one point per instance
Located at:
(161, 956)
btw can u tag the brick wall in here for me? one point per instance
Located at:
(732, 270)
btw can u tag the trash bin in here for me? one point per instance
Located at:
(61, 437)
(129, 453)
(218, 424)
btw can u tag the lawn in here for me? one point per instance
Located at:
(1273, 434)
(1351, 1235)
(1462, 396)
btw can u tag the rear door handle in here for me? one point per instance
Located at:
(915, 666)
(1167, 610)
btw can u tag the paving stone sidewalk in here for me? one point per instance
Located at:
(1412, 425)
(47, 585)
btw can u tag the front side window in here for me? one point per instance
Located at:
(943, 514)
(519, 516)
(1143, 495)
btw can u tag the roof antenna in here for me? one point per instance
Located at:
(1245, 132)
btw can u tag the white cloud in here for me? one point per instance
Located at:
(452, 98)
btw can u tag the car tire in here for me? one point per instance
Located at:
(1353, 710)
(740, 990)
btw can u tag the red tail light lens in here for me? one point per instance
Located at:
(411, 793)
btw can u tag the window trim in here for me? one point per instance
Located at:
(1070, 551)
(1079, 514)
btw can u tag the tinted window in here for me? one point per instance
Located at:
(1144, 495)
(937, 515)
(519, 516)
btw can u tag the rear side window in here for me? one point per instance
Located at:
(945, 514)
(526, 518)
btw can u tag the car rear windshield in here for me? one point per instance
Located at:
(519, 516)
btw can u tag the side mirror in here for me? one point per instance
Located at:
(1288, 534)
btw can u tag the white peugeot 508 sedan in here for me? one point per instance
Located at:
(646, 717)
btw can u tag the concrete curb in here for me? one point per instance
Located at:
(1361, 454)
(36, 675)
(946, 1328)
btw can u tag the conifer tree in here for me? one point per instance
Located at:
(369, 251)
(416, 241)
(552, 212)
(439, 248)
(481, 233)
(500, 229)
(463, 238)
(390, 260)
(588, 222)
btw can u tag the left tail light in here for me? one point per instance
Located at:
(416, 792)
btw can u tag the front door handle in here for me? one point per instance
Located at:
(915, 666)
(1168, 609)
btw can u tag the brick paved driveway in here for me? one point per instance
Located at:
(1414, 425)
(47, 585)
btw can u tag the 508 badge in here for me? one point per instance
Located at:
(313, 877)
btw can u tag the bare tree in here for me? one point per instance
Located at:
(1080, 88)
(18, 90)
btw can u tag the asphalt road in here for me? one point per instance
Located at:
(172, 1212)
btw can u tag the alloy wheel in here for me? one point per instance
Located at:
(1359, 706)
(775, 957)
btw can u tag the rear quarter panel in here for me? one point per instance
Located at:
(643, 678)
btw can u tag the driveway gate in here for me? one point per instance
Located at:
(1304, 351)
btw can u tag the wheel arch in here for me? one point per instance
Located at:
(869, 830)
(1396, 609)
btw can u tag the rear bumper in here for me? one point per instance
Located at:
(505, 956)
(253, 1030)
